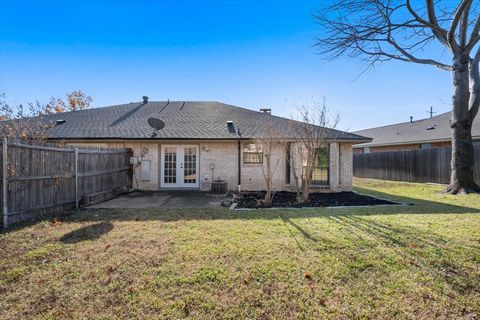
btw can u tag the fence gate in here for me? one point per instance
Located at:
(39, 179)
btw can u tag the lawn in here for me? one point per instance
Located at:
(418, 261)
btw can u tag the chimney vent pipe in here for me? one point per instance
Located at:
(266, 111)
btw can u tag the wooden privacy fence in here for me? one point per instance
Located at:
(430, 165)
(38, 179)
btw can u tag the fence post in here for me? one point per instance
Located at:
(76, 178)
(4, 183)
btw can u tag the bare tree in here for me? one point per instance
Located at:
(312, 132)
(20, 122)
(385, 30)
(23, 123)
(270, 141)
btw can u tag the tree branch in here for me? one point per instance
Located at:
(454, 46)
(475, 37)
(464, 25)
(424, 22)
(474, 101)
(411, 58)
(368, 28)
(432, 19)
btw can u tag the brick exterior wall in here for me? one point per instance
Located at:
(224, 156)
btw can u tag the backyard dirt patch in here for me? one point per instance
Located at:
(285, 199)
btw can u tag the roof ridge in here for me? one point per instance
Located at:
(402, 123)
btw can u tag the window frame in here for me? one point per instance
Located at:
(246, 153)
(327, 168)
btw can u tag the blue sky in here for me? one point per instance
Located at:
(255, 54)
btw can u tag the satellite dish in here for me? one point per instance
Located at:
(156, 123)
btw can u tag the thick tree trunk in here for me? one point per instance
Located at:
(462, 165)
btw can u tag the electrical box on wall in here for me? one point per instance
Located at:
(145, 170)
(134, 160)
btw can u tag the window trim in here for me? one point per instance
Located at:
(250, 153)
(327, 167)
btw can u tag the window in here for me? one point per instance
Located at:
(321, 173)
(288, 159)
(252, 153)
(426, 146)
(366, 150)
(476, 142)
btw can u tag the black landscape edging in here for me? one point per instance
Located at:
(286, 199)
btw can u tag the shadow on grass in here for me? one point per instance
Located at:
(90, 232)
(425, 250)
(313, 238)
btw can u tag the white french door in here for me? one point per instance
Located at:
(179, 166)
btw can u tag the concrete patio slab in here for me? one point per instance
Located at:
(163, 199)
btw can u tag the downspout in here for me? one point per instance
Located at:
(239, 160)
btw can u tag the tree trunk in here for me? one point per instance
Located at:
(307, 181)
(462, 165)
(305, 192)
(268, 195)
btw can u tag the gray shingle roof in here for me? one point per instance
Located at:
(422, 131)
(183, 120)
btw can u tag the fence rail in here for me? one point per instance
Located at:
(430, 165)
(39, 179)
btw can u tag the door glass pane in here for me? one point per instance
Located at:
(190, 165)
(170, 163)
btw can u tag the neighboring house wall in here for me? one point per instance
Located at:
(224, 156)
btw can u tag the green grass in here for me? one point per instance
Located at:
(418, 261)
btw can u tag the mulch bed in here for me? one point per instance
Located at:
(286, 199)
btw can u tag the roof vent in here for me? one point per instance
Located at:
(411, 119)
(145, 99)
(230, 127)
(266, 111)
(60, 121)
(431, 128)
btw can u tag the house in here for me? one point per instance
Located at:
(200, 142)
(421, 134)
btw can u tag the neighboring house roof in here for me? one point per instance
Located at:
(421, 131)
(183, 120)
